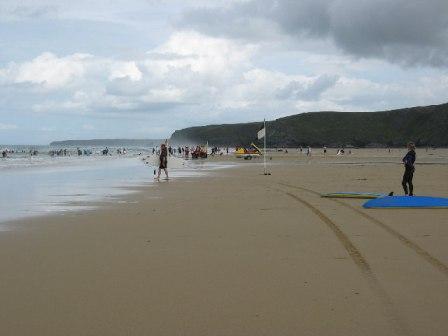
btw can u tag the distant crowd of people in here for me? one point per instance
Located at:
(6, 152)
(61, 152)
(308, 150)
(186, 152)
(192, 152)
(195, 152)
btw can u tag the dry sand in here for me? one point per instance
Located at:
(239, 253)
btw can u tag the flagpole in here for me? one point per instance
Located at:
(264, 156)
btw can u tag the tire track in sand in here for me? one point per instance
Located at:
(395, 321)
(433, 261)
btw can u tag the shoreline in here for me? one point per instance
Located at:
(217, 163)
(234, 253)
(78, 185)
(128, 196)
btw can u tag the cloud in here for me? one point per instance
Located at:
(309, 90)
(399, 31)
(197, 79)
(358, 94)
(6, 127)
(128, 70)
(195, 70)
(129, 13)
(200, 54)
(26, 10)
(47, 129)
(50, 71)
(88, 127)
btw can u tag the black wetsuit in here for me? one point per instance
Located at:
(408, 161)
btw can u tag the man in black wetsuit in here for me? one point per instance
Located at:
(409, 160)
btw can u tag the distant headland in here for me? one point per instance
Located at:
(425, 125)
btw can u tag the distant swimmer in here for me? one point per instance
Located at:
(163, 161)
(409, 160)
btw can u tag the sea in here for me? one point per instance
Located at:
(33, 182)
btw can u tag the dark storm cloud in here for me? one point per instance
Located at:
(409, 32)
(21, 12)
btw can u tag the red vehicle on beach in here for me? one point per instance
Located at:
(199, 153)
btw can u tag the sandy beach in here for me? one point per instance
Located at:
(239, 253)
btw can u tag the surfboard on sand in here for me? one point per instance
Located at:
(397, 202)
(364, 195)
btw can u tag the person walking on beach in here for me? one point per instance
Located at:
(409, 160)
(163, 161)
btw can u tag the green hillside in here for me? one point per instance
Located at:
(424, 125)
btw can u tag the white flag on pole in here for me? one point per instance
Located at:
(261, 133)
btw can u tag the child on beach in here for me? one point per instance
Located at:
(163, 161)
(409, 160)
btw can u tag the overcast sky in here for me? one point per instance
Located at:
(143, 68)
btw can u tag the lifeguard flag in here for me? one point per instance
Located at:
(261, 133)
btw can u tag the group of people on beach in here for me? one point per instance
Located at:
(6, 152)
(308, 151)
(187, 151)
(81, 152)
(166, 150)
(408, 161)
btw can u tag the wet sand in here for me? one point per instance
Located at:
(239, 253)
